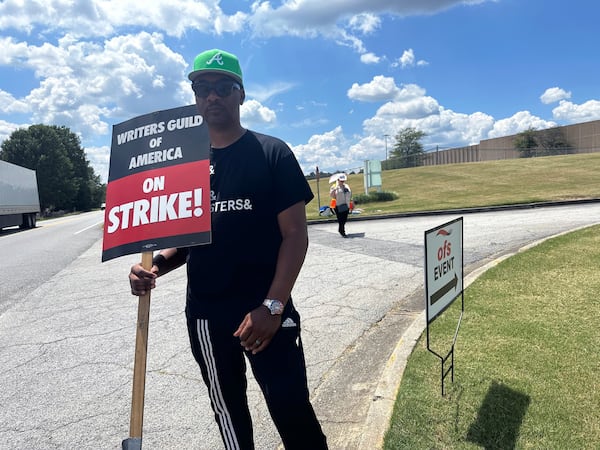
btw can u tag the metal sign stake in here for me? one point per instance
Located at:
(444, 282)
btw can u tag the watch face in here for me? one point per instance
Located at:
(275, 306)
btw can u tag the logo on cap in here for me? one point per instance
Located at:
(216, 61)
(217, 57)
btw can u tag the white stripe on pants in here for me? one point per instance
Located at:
(215, 393)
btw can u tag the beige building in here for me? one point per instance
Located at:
(581, 138)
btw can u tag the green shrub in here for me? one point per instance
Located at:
(374, 197)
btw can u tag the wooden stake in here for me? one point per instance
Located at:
(139, 366)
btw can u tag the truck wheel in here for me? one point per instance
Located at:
(28, 221)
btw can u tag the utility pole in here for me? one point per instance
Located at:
(385, 136)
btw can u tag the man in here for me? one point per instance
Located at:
(239, 286)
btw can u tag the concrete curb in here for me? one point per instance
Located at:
(354, 217)
(380, 411)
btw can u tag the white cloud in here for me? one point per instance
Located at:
(99, 158)
(365, 23)
(327, 150)
(520, 121)
(413, 108)
(291, 18)
(369, 58)
(253, 113)
(263, 93)
(405, 106)
(382, 88)
(172, 18)
(368, 147)
(574, 113)
(409, 91)
(85, 85)
(379, 89)
(103, 17)
(409, 106)
(310, 122)
(336, 19)
(13, 53)
(7, 128)
(408, 60)
(415, 7)
(442, 126)
(303, 19)
(295, 13)
(553, 95)
(8, 104)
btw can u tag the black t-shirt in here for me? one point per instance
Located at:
(251, 181)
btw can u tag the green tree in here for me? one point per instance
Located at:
(65, 179)
(526, 143)
(408, 147)
(97, 188)
(552, 142)
(81, 170)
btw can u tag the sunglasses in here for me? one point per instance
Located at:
(223, 88)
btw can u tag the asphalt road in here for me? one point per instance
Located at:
(31, 257)
(67, 341)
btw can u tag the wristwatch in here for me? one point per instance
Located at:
(275, 307)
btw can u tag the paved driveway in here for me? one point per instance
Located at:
(66, 348)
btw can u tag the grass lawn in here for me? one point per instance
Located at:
(526, 359)
(487, 183)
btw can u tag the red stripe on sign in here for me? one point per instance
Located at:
(158, 203)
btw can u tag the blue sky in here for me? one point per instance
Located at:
(331, 78)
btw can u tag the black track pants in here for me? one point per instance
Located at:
(279, 370)
(342, 218)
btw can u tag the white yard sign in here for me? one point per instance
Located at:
(443, 266)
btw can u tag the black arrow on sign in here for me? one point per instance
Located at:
(444, 290)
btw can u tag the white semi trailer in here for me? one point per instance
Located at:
(19, 198)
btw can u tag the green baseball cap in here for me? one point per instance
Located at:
(217, 61)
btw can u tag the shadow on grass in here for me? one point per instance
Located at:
(499, 418)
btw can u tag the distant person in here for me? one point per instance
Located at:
(342, 194)
(239, 285)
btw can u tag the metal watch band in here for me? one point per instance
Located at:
(275, 306)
